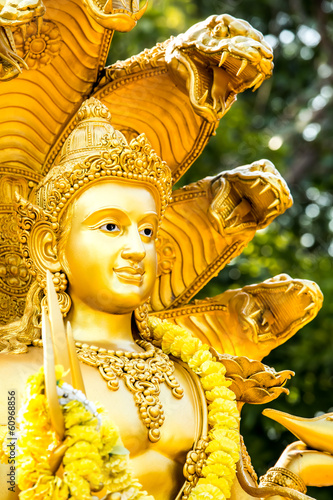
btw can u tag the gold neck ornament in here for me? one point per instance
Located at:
(142, 372)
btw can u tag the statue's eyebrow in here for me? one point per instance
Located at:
(150, 214)
(115, 211)
(96, 215)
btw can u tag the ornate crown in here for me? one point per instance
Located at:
(93, 151)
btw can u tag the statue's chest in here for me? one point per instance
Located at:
(184, 421)
(149, 413)
(183, 417)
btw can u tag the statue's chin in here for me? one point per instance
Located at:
(119, 293)
(116, 303)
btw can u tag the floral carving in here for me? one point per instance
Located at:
(39, 47)
(13, 273)
(6, 306)
(8, 229)
(252, 381)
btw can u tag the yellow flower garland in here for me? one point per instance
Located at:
(90, 461)
(94, 457)
(223, 448)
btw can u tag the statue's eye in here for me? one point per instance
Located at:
(147, 231)
(110, 227)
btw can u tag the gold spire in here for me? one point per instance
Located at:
(93, 132)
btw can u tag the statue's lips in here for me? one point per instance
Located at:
(130, 275)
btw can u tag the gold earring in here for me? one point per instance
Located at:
(141, 318)
(60, 284)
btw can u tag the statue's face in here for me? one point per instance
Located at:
(110, 254)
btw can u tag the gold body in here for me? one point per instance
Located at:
(115, 254)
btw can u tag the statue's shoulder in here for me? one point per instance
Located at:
(14, 372)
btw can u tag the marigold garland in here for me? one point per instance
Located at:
(223, 448)
(90, 459)
(95, 455)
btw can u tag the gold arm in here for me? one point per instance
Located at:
(267, 491)
(59, 348)
(56, 415)
(58, 333)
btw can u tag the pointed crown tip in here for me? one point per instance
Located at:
(93, 108)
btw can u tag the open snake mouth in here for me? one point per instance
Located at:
(248, 197)
(15, 14)
(10, 61)
(278, 307)
(121, 15)
(222, 57)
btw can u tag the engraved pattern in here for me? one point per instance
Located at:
(14, 277)
(11, 308)
(27, 216)
(166, 255)
(247, 464)
(8, 229)
(283, 477)
(147, 59)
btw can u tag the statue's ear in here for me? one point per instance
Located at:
(37, 236)
(43, 247)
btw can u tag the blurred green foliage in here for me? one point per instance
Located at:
(289, 120)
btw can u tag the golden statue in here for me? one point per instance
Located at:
(103, 244)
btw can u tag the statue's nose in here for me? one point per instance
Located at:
(134, 249)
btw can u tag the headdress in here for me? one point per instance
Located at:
(93, 151)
